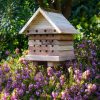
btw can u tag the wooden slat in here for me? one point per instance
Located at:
(49, 47)
(51, 37)
(50, 53)
(49, 42)
(48, 58)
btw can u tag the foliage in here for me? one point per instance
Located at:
(21, 80)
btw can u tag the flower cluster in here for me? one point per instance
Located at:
(19, 79)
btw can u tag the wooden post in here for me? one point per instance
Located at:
(51, 64)
(35, 63)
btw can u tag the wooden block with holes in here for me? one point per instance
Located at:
(50, 37)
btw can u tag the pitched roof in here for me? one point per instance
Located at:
(57, 21)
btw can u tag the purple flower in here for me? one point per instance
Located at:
(18, 76)
(93, 63)
(50, 71)
(58, 73)
(86, 74)
(81, 45)
(63, 95)
(1, 71)
(20, 92)
(39, 77)
(1, 88)
(37, 85)
(62, 79)
(23, 86)
(37, 93)
(54, 95)
(31, 98)
(14, 96)
(5, 96)
(6, 68)
(30, 87)
(7, 52)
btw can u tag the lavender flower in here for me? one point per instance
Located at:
(7, 52)
(20, 92)
(39, 77)
(37, 93)
(62, 79)
(50, 71)
(54, 95)
(86, 74)
(30, 87)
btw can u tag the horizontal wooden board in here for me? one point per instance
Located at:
(68, 37)
(49, 42)
(50, 53)
(48, 58)
(49, 47)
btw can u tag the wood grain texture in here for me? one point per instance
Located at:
(48, 58)
(49, 47)
(50, 53)
(49, 20)
(49, 42)
(51, 37)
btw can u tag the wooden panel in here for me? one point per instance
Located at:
(48, 58)
(39, 25)
(49, 42)
(61, 22)
(50, 53)
(49, 47)
(51, 37)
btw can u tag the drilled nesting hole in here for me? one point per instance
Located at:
(34, 50)
(36, 30)
(45, 30)
(27, 31)
(52, 51)
(54, 30)
(52, 45)
(46, 50)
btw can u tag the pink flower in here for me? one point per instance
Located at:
(54, 95)
(49, 71)
(63, 95)
(86, 74)
(22, 60)
(94, 87)
(17, 50)
(91, 87)
(62, 79)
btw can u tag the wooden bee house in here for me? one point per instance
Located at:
(50, 37)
